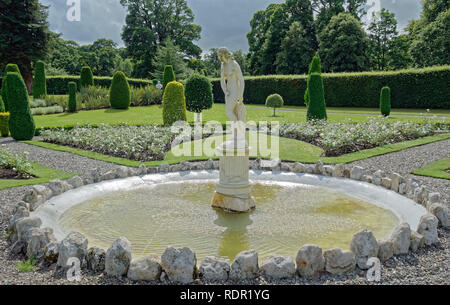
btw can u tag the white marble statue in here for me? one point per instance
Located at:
(232, 82)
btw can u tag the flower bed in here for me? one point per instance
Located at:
(14, 166)
(140, 143)
(341, 138)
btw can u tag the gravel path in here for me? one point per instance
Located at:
(428, 266)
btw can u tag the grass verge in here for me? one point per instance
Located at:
(435, 169)
(290, 150)
(43, 175)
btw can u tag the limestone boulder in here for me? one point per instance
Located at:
(24, 227)
(278, 267)
(118, 257)
(401, 238)
(298, 167)
(338, 261)
(95, 259)
(385, 249)
(214, 269)
(75, 182)
(73, 245)
(364, 245)
(39, 239)
(310, 261)
(58, 187)
(428, 228)
(245, 266)
(145, 268)
(417, 241)
(338, 170)
(180, 264)
(51, 253)
(357, 172)
(396, 180)
(442, 214)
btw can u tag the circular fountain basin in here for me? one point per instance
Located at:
(159, 210)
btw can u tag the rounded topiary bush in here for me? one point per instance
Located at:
(8, 68)
(119, 93)
(316, 105)
(86, 77)
(168, 76)
(39, 82)
(21, 122)
(385, 101)
(154, 82)
(174, 103)
(199, 94)
(314, 67)
(4, 120)
(274, 101)
(72, 97)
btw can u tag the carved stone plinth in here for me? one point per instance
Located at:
(233, 190)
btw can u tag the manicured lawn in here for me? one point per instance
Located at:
(153, 115)
(290, 150)
(43, 174)
(435, 169)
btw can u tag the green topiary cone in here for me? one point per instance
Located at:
(119, 93)
(21, 122)
(174, 103)
(385, 101)
(39, 82)
(316, 106)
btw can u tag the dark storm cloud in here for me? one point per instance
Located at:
(224, 22)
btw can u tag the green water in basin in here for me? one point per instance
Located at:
(287, 216)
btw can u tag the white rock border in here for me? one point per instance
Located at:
(24, 230)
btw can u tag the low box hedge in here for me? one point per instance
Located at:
(414, 88)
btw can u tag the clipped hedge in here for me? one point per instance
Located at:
(72, 97)
(385, 101)
(58, 85)
(86, 77)
(174, 103)
(21, 122)
(316, 99)
(39, 82)
(119, 93)
(4, 120)
(415, 88)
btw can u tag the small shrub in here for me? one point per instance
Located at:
(314, 67)
(93, 97)
(46, 110)
(119, 93)
(4, 128)
(385, 101)
(27, 266)
(21, 123)
(39, 83)
(274, 101)
(57, 100)
(145, 96)
(198, 93)
(168, 76)
(9, 68)
(2, 105)
(16, 161)
(72, 97)
(316, 106)
(86, 77)
(174, 103)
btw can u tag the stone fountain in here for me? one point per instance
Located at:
(233, 190)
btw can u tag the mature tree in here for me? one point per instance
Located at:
(399, 57)
(433, 44)
(125, 65)
(343, 45)
(212, 63)
(432, 8)
(149, 23)
(197, 66)
(325, 10)
(64, 56)
(241, 59)
(296, 51)
(24, 35)
(382, 33)
(259, 24)
(302, 12)
(168, 54)
(102, 56)
(274, 36)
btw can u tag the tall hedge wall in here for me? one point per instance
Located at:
(59, 84)
(417, 88)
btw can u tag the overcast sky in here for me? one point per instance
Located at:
(224, 22)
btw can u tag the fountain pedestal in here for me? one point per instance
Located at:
(233, 190)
